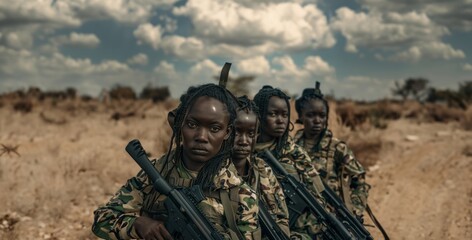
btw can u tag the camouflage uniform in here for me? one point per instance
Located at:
(261, 178)
(331, 156)
(138, 198)
(297, 162)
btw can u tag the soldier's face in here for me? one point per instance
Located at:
(245, 127)
(314, 117)
(204, 129)
(276, 121)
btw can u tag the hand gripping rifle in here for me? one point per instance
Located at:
(352, 223)
(185, 220)
(299, 200)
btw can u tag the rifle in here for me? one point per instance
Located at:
(268, 225)
(185, 220)
(300, 200)
(352, 223)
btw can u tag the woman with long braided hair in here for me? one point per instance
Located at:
(203, 134)
(331, 157)
(274, 109)
(254, 170)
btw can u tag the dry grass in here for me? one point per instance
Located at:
(466, 121)
(65, 170)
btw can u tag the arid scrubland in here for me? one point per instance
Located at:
(70, 157)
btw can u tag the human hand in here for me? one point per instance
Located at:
(151, 229)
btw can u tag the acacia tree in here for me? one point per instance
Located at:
(414, 87)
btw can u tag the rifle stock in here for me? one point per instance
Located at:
(185, 221)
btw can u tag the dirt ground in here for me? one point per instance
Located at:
(70, 161)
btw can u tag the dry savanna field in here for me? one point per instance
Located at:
(61, 159)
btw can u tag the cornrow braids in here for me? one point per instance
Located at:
(247, 105)
(211, 168)
(261, 99)
(307, 95)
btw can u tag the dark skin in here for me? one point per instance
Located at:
(276, 121)
(204, 130)
(315, 118)
(245, 126)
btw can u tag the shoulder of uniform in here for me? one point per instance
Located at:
(227, 177)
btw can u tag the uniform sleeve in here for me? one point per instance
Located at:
(248, 209)
(274, 197)
(115, 219)
(359, 189)
(306, 170)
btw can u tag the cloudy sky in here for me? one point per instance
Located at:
(356, 49)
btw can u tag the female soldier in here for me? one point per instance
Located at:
(204, 136)
(275, 114)
(254, 170)
(331, 157)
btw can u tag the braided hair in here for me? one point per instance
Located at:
(262, 101)
(211, 168)
(307, 95)
(247, 105)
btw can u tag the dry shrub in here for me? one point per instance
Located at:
(52, 119)
(157, 94)
(335, 123)
(442, 113)
(24, 106)
(366, 146)
(467, 150)
(413, 110)
(387, 109)
(466, 121)
(122, 92)
(352, 114)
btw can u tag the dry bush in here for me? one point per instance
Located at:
(466, 121)
(24, 106)
(366, 146)
(442, 113)
(122, 92)
(352, 114)
(157, 94)
(53, 119)
(413, 110)
(386, 109)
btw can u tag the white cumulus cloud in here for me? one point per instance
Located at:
(286, 25)
(413, 34)
(149, 34)
(138, 59)
(256, 65)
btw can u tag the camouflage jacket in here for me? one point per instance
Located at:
(261, 178)
(137, 197)
(297, 162)
(331, 156)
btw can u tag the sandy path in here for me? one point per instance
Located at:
(422, 189)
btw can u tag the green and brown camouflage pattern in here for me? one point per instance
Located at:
(297, 162)
(137, 197)
(269, 191)
(330, 157)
